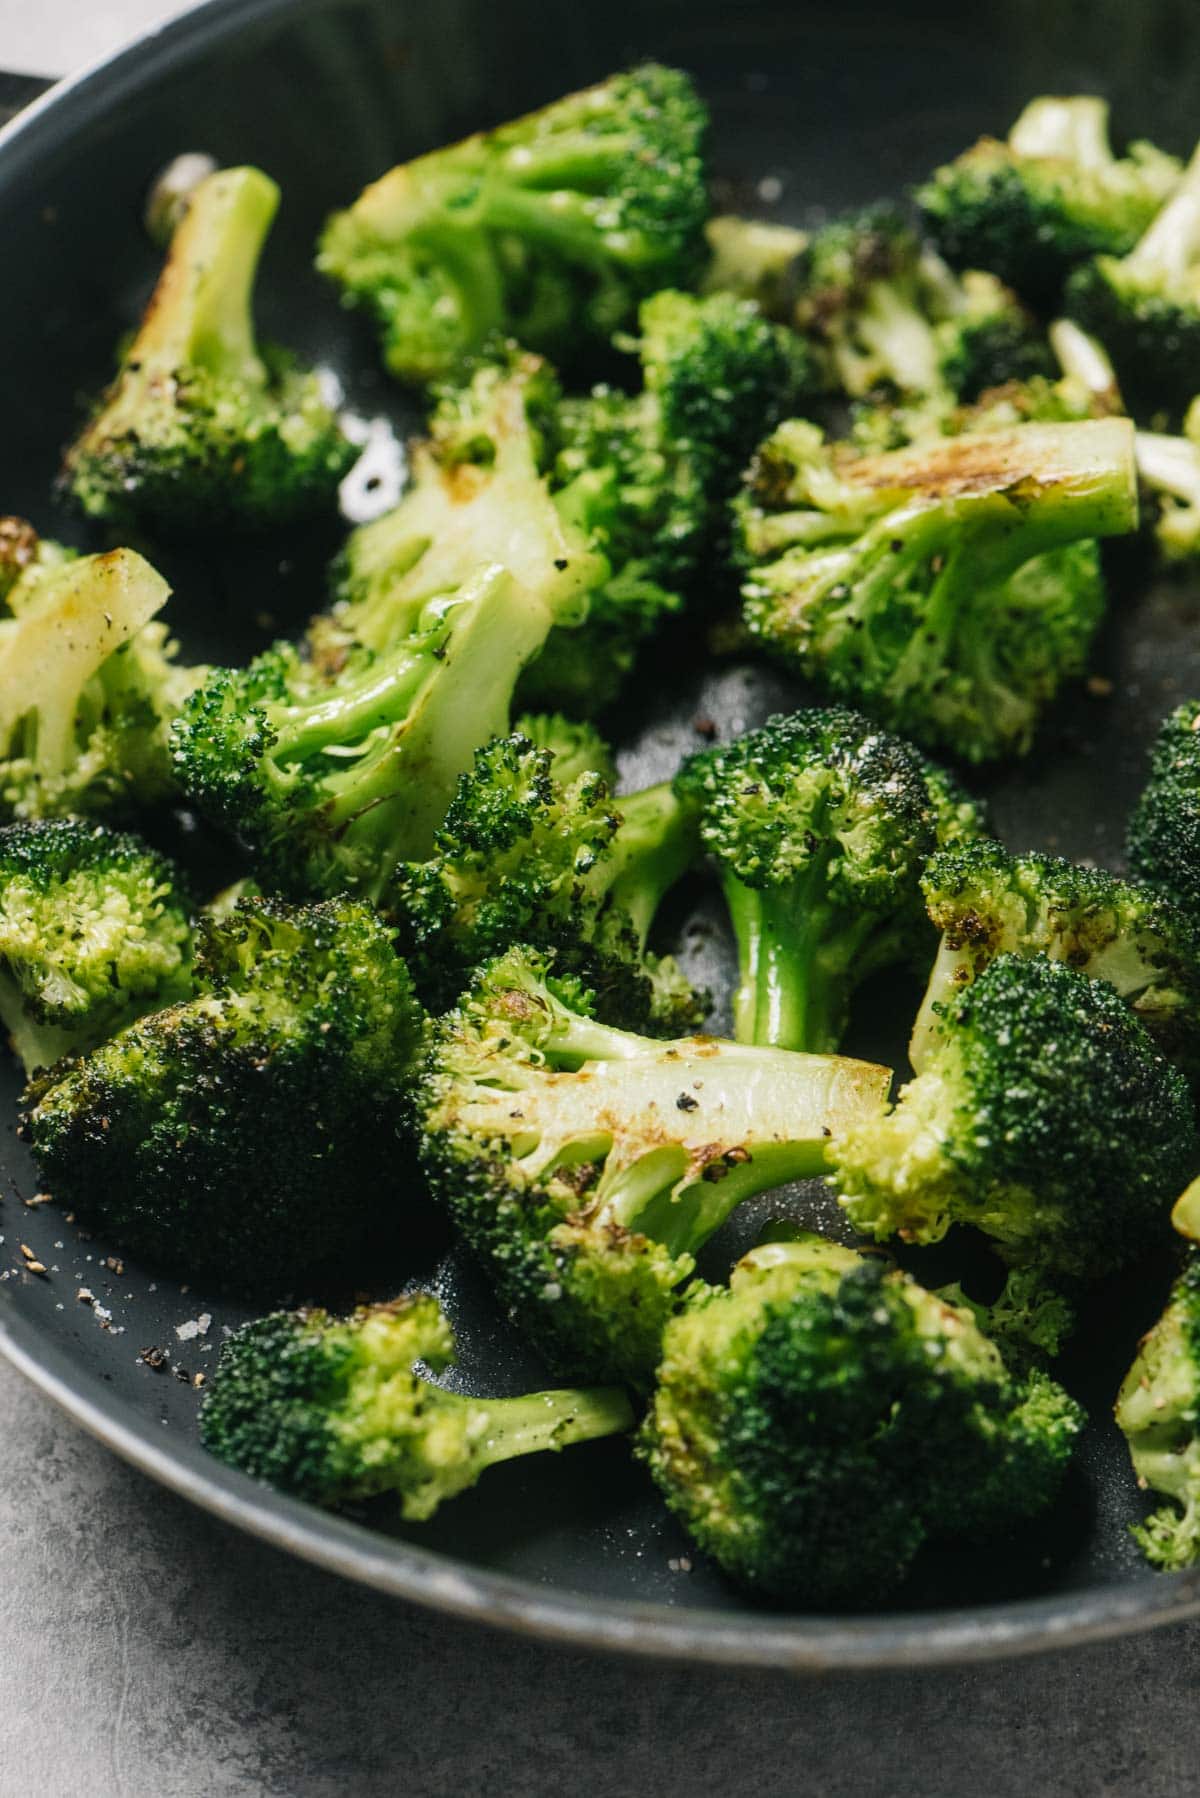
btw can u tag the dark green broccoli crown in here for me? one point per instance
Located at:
(201, 425)
(1158, 1410)
(1043, 1114)
(1052, 195)
(845, 256)
(95, 927)
(1149, 327)
(243, 1135)
(992, 341)
(549, 229)
(1164, 832)
(815, 1424)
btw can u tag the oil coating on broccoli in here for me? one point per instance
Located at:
(202, 427)
(820, 824)
(245, 1135)
(1043, 1116)
(336, 1410)
(1163, 843)
(948, 589)
(585, 1166)
(95, 928)
(549, 229)
(1158, 1411)
(1033, 206)
(817, 1421)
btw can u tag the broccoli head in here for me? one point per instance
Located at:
(1043, 1115)
(1163, 843)
(986, 902)
(202, 427)
(1053, 193)
(577, 746)
(820, 825)
(549, 229)
(948, 589)
(756, 260)
(244, 1135)
(586, 1166)
(95, 928)
(1158, 1411)
(335, 1410)
(822, 1417)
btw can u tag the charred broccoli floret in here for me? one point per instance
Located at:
(1158, 1410)
(95, 928)
(1053, 193)
(549, 229)
(202, 426)
(245, 1135)
(1163, 843)
(1043, 1115)
(820, 825)
(336, 1410)
(986, 902)
(586, 1166)
(819, 1420)
(948, 589)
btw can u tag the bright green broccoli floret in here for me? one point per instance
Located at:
(1032, 207)
(94, 930)
(986, 902)
(528, 856)
(1028, 1320)
(1145, 306)
(88, 683)
(820, 825)
(1043, 1115)
(1163, 844)
(756, 260)
(1158, 1409)
(203, 427)
(549, 229)
(247, 1135)
(948, 589)
(336, 1410)
(819, 1420)
(336, 762)
(577, 747)
(586, 1166)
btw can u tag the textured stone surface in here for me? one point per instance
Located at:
(149, 1652)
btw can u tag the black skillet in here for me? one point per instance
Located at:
(813, 106)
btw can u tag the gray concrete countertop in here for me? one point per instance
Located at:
(147, 1651)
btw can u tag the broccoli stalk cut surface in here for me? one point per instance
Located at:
(586, 1166)
(1031, 208)
(1158, 1411)
(819, 1420)
(87, 685)
(820, 825)
(948, 589)
(201, 428)
(94, 929)
(1163, 842)
(1043, 1116)
(527, 856)
(1145, 306)
(549, 229)
(336, 1410)
(244, 1135)
(986, 902)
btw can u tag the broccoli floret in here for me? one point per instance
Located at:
(336, 1410)
(756, 260)
(586, 1166)
(1043, 1115)
(88, 685)
(820, 825)
(1158, 1410)
(820, 1419)
(577, 747)
(986, 902)
(948, 589)
(95, 929)
(549, 229)
(1032, 207)
(1028, 1320)
(340, 760)
(201, 426)
(1163, 841)
(1145, 306)
(527, 856)
(245, 1135)
(659, 468)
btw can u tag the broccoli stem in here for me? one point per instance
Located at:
(653, 848)
(901, 337)
(36, 1045)
(503, 1428)
(946, 979)
(1084, 359)
(1169, 465)
(1074, 129)
(1171, 244)
(798, 959)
